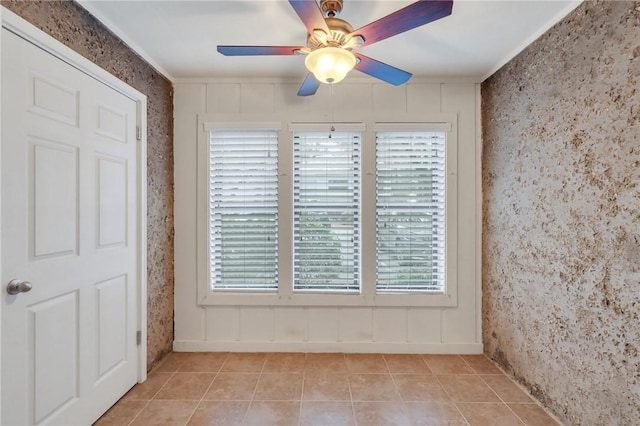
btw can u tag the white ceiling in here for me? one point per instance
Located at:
(179, 38)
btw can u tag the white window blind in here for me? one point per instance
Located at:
(243, 185)
(410, 212)
(326, 210)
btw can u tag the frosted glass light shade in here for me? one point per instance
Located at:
(330, 64)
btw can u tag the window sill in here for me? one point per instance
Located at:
(273, 299)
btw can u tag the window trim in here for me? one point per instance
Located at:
(233, 142)
(285, 125)
(350, 247)
(384, 128)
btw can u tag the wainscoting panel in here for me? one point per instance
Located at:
(281, 327)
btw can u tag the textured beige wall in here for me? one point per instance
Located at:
(73, 26)
(561, 245)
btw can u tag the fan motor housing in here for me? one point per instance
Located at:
(339, 29)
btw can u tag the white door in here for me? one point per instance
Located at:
(69, 229)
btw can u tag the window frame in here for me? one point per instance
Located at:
(408, 222)
(285, 295)
(299, 182)
(268, 145)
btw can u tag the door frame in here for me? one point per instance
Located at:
(32, 34)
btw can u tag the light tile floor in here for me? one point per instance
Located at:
(326, 389)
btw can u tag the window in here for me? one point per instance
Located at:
(326, 211)
(410, 211)
(356, 215)
(243, 196)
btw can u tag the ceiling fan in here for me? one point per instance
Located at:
(331, 41)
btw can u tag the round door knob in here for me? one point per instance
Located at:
(18, 286)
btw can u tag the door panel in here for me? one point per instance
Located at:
(54, 189)
(111, 324)
(51, 99)
(112, 202)
(69, 227)
(53, 337)
(112, 124)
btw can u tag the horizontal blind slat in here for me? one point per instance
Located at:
(243, 182)
(326, 197)
(410, 183)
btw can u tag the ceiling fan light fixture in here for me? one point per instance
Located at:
(330, 64)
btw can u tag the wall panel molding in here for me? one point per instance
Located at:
(401, 329)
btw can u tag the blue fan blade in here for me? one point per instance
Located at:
(258, 50)
(310, 14)
(412, 16)
(381, 71)
(309, 86)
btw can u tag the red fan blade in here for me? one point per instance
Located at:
(310, 14)
(309, 86)
(381, 71)
(416, 14)
(258, 50)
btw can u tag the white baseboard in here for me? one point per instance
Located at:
(346, 347)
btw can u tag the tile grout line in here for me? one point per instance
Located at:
(253, 394)
(455, 403)
(475, 371)
(206, 390)
(427, 364)
(433, 374)
(525, 390)
(492, 390)
(395, 385)
(159, 389)
(353, 406)
(304, 374)
(502, 400)
(136, 416)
